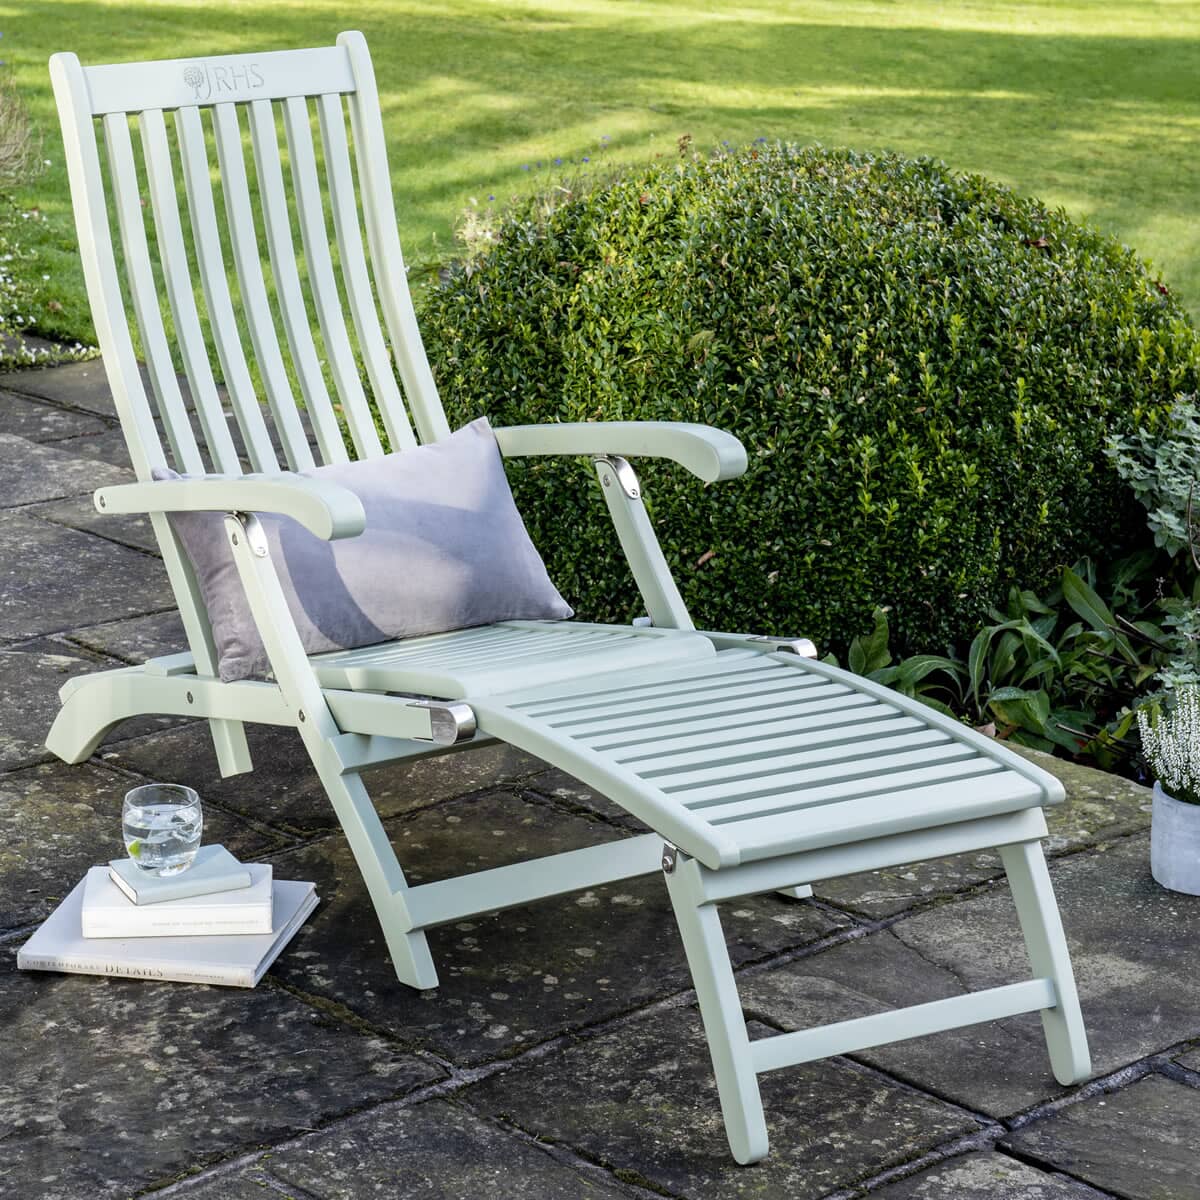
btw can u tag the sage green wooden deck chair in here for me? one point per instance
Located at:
(757, 767)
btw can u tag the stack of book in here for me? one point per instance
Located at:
(217, 922)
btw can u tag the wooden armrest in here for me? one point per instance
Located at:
(325, 509)
(709, 453)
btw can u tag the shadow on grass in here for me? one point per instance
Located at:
(475, 99)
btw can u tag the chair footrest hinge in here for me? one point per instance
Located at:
(450, 722)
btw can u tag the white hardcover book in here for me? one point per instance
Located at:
(109, 913)
(59, 945)
(213, 869)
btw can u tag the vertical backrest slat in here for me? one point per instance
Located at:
(177, 276)
(287, 282)
(375, 187)
(140, 276)
(314, 237)
(112, 331)
(99, 264)
(206, 237)
(256, 307)
(344, 207)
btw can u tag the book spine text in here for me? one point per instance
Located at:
(102, 966)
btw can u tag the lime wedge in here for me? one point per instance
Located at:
(135, 848)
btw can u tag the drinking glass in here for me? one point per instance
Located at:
(162, 824)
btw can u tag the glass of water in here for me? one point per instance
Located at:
(162, 824)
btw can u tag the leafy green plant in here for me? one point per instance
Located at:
(1160, 462)
(1058, 673)
(924, 367)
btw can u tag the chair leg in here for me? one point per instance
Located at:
(1041, 925)
(229, 741)
(382, 874)
(721, 1011)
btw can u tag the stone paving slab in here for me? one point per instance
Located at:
(1140, 1143)
(107, 447)
(986, 1176)
(56, 821)
(33, 471)
(77, 385)
(137, 639)
(518, 977)
(30, 677)
(130, 1083)
(78, 512)
(284, 789)
(432, 1151)
(1098, 808)
(642, 1100)
(44, 422)
(1130, 940)
(573, 793)
(1191, 1060)
(247, 1185)
(61, 579)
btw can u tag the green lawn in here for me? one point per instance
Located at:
(1091, 105)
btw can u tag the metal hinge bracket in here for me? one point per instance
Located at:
(801, 646)
(621, 471)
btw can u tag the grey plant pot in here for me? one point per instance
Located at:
(1175, 843)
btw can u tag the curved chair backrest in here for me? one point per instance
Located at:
(239, 246)
(254, 285)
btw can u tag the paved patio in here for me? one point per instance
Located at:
(562, 1058)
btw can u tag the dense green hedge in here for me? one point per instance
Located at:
(923, 366)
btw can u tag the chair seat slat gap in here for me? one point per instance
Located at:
(282, 253)
(344, 206)
(696, 703)
(700, 732)
(989, 793)
(144, 293)
(869, 754)
(206, 238)
(758, 746)
(686, 721)
(733, 684)
(846, 792)
(314, 239)
(256, 306)
(704, 672)
(879, 766)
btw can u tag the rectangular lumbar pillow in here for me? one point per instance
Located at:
(444, 548)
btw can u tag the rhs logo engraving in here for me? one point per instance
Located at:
(210, 80)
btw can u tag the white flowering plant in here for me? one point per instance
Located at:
(1171, 744)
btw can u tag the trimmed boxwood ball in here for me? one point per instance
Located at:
(923, 367)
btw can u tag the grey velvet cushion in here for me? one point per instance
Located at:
(444, 548)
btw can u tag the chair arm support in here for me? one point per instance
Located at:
(325, 509)
(709, 453)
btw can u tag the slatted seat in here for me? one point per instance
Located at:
(266, 265)
(478, 662)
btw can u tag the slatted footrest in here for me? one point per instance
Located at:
(741, 756)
